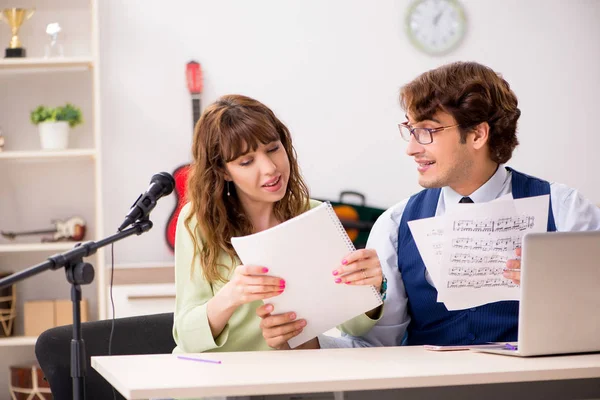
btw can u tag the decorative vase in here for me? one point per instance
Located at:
(54, 135)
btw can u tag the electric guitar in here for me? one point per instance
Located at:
(194, 85)
(72, 229)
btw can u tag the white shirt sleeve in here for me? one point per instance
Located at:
(390, 329)
(572, 211)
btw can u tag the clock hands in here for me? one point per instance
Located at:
(437, 18)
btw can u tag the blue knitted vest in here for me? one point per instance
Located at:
(431, 322)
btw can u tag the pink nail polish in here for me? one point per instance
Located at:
(344, 262)
(348, 283)
(282, 283)
(292, 316)
(335, 272)
(338, 280)
(265, 269)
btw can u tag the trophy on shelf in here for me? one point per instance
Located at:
(54, 48)
(15, 17)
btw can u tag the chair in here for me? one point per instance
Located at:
(147, 334)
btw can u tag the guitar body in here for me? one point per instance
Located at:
(180, 175)
(194, 83)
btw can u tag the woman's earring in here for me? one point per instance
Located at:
(228, 194)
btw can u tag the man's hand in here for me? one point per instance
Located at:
(278, 329)
(513, 269)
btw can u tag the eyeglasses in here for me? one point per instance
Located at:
(422, 135)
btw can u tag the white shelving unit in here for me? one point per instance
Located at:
(38, 186)
(35, 247)
(18, 341)
(57, 64)
(47, 155)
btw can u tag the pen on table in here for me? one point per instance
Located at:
(509, 346)
(199, 359)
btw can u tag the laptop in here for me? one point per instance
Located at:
(559, 310)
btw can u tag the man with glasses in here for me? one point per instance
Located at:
(460, 126)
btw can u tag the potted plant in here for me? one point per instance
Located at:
(54, 125)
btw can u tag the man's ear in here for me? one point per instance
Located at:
(480, 135)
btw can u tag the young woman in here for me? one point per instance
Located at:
(244, 179)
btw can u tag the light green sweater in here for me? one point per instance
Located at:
(191, 330)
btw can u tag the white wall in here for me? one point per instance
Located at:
(331, 70)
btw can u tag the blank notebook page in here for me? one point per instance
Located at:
(304, 251)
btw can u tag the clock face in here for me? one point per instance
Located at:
(436, 26)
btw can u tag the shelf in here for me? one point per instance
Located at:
(47, 154)
(29, 247)
(46, 64)
(18, 341)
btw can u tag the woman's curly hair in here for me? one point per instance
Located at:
(227, 129)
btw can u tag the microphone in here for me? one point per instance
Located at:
(161, 184)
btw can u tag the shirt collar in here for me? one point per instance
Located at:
(489, 191)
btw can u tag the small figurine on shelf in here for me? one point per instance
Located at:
(54, 48)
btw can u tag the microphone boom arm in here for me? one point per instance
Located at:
(78, 273)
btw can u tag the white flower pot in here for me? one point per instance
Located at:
(54, 135)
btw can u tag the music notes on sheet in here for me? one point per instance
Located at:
(508, 224)
(480, 283)
(501, 244)
(476, 271)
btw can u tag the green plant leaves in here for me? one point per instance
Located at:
(68, 113)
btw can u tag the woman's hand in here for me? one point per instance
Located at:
(361, 267)
(250, 283)
(278, 329)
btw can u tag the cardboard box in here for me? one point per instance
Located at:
(39, 316)
(63, 312)
(45, 314)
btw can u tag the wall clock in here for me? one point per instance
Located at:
(436, 26)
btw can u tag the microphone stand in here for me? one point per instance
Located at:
(78, 273)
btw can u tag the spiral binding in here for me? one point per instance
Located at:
(340, 227)
(344, 236)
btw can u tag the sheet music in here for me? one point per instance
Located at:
(429, 237)
(476, 241)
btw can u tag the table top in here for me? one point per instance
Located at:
(328, 370)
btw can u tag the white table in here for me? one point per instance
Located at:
(329, 370)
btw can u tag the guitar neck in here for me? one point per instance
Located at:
(195, 108)
(12, 235)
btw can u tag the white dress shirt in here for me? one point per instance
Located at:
(572, 212)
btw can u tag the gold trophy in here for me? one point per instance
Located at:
(15, 17)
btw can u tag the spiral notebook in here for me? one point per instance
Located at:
(304, 251)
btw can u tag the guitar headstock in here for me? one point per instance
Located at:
(193, 74)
